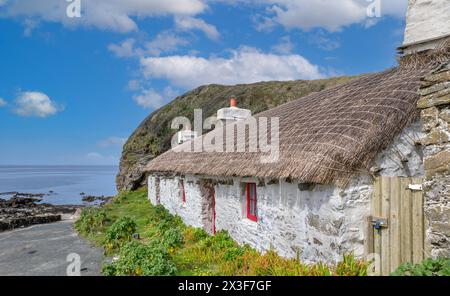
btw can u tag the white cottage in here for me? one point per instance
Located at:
(314, 196)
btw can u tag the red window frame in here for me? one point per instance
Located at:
(252, 201)
(183, 192)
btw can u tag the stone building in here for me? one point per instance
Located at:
(312, 198)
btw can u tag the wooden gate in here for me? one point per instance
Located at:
(396, 230)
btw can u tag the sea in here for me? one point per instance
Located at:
(62, 185)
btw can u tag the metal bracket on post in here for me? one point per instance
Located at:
(379, 223)
(415, 187)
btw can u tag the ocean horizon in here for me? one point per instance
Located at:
(61, 184)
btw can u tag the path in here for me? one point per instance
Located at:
(42, 250)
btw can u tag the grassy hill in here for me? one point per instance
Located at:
(153, 136)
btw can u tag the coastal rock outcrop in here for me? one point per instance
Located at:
(24, 209)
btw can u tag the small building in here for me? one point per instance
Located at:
(358, 168)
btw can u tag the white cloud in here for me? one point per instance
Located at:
(246, 65)
(124, 49)
(285, 46)
(112, 142)
(116, 15)
(151, 99)
(120, 15)
(35, 104)
(133, 85)
(396, 8)
(165, 42)
(187, 23)
(322, 41)
(29, 25)
(94, 156)
(2, 102)
(331, 15)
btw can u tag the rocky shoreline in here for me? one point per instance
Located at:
(27, 209)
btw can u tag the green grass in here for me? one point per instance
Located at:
(166, 246)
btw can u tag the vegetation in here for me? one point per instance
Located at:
(137, 258)
(91, 220)
(429, 267)
(165, 246)
(119, 233)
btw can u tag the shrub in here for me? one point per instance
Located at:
(91, 220)
(172, 238)
(199, 234)
(137, 258)
(121, 231)
(429, 267)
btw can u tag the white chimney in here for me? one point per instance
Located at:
(233, 113)
(427, 25)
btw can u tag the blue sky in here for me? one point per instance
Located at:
(73, 89)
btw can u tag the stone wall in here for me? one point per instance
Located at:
(171, 198)
(427, 20)
(315, 223)
(435, 114)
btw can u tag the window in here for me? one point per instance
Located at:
(183, 192)
(252, 213)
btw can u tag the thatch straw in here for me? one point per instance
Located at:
(326, 137)
(428, 58)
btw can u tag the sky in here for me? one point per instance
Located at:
(78, 76)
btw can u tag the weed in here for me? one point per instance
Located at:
(121, 231)
(139, 259)
(91, 219)
(429, 267)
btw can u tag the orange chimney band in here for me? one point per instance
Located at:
(233, 102)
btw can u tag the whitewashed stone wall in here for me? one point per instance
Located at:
(404, 156)
(152, 183)
(171, 198)
(316, 225)
(314, 222)
(426, 19)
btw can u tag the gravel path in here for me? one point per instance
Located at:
(42, 250)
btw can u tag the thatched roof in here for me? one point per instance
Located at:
(325, 137)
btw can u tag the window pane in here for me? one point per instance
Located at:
(252, 199)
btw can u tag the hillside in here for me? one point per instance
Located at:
(153, 136)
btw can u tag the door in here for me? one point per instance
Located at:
(158, 191)
(396, 227)
(208, 206)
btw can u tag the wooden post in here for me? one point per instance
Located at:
(406, 221)
(370, 240)
(394, 224)
(376, 211)
(385, 212)
(418, 224)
